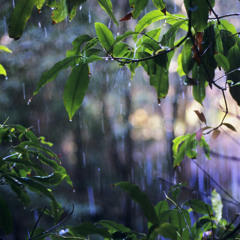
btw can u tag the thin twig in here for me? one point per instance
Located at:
(228, 15)
(214, 181)
(210, 216)
(55, 226)
(215, 14)
(35, 226)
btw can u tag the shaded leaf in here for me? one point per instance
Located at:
(187, 58)
(6, 223)
(201, 116)
(230, 126)
(111, 225)
(168, 230)
(222, 61)
(216, 133)
(199, 206)
(52, 73)
(76, 88)
(160, 4)
(141, 198)
(19, 17)
(105, 36)
(88, 228)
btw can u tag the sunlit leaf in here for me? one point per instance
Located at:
(76, 88)
(6, 223)
(2, 70)
(121, 49)
(5, 49)
(60, 11)
(52, 73)
(40, 4)
(141, 198)
(105, 36)
(230, 126)
(217, 204)
(125, 35)
(107, 6)
(19, 17)
(160, 4)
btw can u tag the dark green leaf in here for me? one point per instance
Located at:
(76, 88)
(51, 74)
(187, 58)
(168, 230)
(138, 6)
(87, 228)
(111, 225)
(141, 198)
(52, 179)
(6, 223)
(222, 61)
(199, 206)
(107, 6)
(19, 17)
(105, 36)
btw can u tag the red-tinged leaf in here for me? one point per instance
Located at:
(164, 11)
(199, 134)
(230, 126)
(215, 133)
(126, 17)
(201, 116)
(53, 22)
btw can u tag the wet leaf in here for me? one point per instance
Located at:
(52, 73)
(105, 36)
(215, 133)
(52, 179)
(230, 126)
(107, 6)
(141, 198)
(76, 88)
(19, 17)
(60, 11)
(88, 228)
(201, 116)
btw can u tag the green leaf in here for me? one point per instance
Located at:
(5, 49)
(141, 198)
(199, 206)
(88, 228)
(161, 207)
(2, 70)
(199, 13)
(60, 11)
(121, 49)
(187, 58)
(40, 4)
(138, 6)
(111, 225)
(125, 35)
(160, 4)
(76, 88)
(107, 6)
(199, 90)
(217, 204)
(77, 43)
(52, 179)
(160, 82)
(105, 36)
(205, 147)
(168, 230)
(149, 18)
(6, 223)
(19, 17)
(222, 61)
(52, 73)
